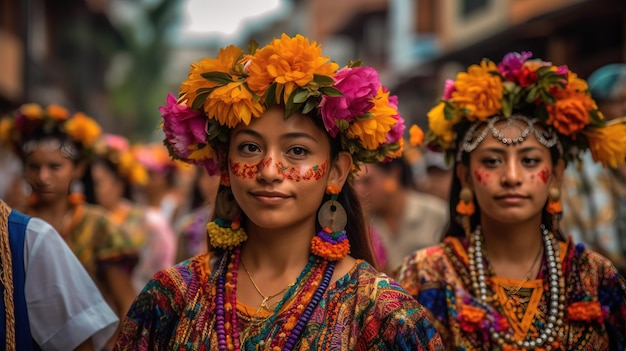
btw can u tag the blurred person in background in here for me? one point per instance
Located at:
(13, 187)
(437, 177)
(595, 197)
(161, 191)
(55, 149)
(405, 219)
(191, 229)
(49, 301)
(115, 171)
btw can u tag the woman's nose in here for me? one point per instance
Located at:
(512, 175)
(268, 170)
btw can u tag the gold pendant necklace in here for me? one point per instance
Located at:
(264, 304)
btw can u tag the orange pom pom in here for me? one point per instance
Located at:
(76, 198)
(465, 208)
(554, 207)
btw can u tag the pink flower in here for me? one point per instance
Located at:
(359, 86)
(116, 142)
(183, 126)
(397, 130)
(448, 89)
(512, 63)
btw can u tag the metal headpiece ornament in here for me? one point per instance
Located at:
(541, 99)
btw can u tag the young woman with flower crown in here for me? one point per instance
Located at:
(55, 148)
(284, 128)
(115, 171)
(505, 277)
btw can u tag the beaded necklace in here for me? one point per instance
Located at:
(477, 267)
(316, 275)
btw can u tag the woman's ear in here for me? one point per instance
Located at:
(340, 169)
(462, 172)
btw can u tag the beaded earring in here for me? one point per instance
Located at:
(466, 208)
(331, 243)
(554, 207)
(225, 231)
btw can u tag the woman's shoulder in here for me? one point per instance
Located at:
(584, 262)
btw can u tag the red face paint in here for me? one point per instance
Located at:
(295, 173)
(544, 174)
(248, 171)
(481, 176)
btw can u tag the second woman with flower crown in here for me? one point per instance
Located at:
(285, 129)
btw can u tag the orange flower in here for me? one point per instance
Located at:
(416, 135)
(608, 144)
(585, 311)
(289, 62)
(31, 111)
(83, 129)
(57, 112)
(333, 189)
(568, 116)
(479, 91)
(472, 314)
(225, 61)
(373, 128)
(231, 104)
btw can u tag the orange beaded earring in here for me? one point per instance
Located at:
(331, 243)
(466, 208)
(554, 207)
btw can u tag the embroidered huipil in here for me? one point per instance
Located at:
(595, 299)
(363, 310)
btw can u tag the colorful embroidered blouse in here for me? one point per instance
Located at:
(363, 310)
(98, 242)
(595, 301)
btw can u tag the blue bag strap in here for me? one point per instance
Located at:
(17, 237)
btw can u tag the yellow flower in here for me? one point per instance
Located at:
(225, 62)
(200, 154)
(479, 91)
(608, 144)
(290, 62)
(57, 112)
(83, 129)
(231, 104)
(373, 131)
(31, 111)
(416, 135)
(439, 126)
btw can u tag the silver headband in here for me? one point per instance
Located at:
(473, 137)
(66, 148)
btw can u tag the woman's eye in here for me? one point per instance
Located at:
(491, 162)
(529, 161)
(298, 151)
(249, 148)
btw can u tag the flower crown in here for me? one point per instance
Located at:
(116, 149)
(235, 87)
(31, 118)
(553, 96)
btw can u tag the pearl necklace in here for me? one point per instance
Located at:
(556, 285)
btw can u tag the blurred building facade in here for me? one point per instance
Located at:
(417, 44)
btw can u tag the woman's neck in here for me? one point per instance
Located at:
(54, 213)
(278, 250)
(512, 244)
